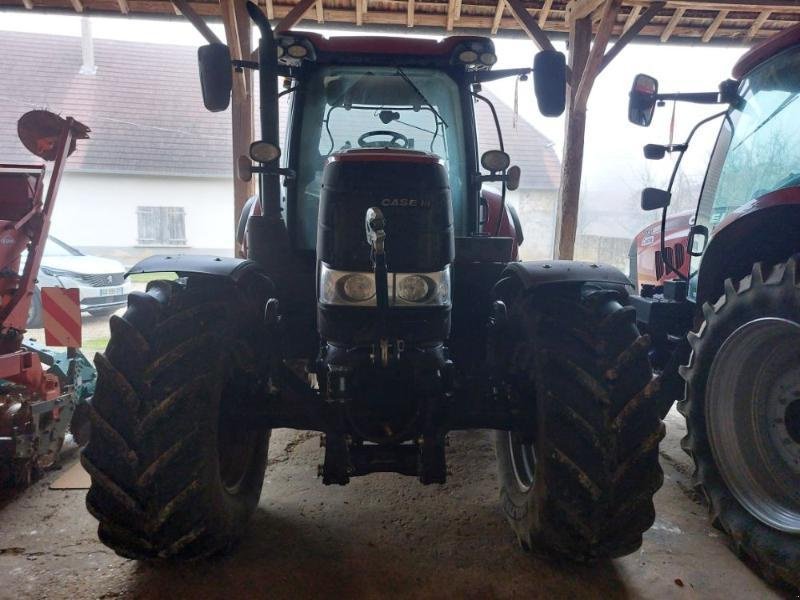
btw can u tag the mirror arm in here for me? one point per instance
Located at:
(485, 76)
(695, 97)
(478, 178)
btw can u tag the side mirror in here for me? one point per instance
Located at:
(495, 160)
(642, 101)
(244, 168)
(512, 178)
(654, 198)
(216, 76)
(264, 152)
(550, 82)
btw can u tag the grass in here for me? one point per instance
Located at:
(95, 345)
(146, 277)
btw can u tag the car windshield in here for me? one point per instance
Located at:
(759, 147)
(55, 247)
(359, 107)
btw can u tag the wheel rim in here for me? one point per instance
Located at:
(236, 446)
(753, 419)
(523, 460)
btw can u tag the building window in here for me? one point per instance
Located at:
(161, 225)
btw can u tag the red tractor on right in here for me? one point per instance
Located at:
(723, 309)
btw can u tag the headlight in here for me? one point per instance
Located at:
(420, 289)
(346, 288)
(406, 290)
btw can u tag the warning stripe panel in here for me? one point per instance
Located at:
(61, 313)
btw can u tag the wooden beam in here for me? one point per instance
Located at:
(673, 23)
(529, 25)
(296, 15)
(578, 9)
(498, 16)
(27, 4)
(410, 14)
(197, 21)
(545, 12)
(757, 24)
(270, 10)
(123, 6)
(632, 16)
(238, 34)
(595, 60)
(77, 5)
(580, 40)
(359, 12)
(320, 12)
(453, 13)
(715, 24)
(631, 33)
(366, 8)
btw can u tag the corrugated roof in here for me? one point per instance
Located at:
(146, 112)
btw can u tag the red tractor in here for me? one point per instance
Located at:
(377, 306)
(722, 297)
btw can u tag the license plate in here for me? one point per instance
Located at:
(116, 291)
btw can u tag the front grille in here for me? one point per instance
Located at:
(103, 280)
(103, 301)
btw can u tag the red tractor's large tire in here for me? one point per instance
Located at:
(741, 468)
(581, 485)
(176, 474)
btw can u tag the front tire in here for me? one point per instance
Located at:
(581, 485)
(742, 409)
(175, 473)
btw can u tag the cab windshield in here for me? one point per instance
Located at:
(758, 150)
(376, 107)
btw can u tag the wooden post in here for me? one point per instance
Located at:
(580, 39)
(238, 35)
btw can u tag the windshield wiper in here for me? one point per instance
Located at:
(774, 114)
(421, 95)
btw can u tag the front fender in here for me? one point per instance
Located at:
(230, 268)
(536, 274)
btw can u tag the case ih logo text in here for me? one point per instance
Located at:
(406, 202)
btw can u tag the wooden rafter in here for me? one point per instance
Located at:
(196, 20)
(27, 4)
(529, 24)
(673, 23)
(359, 12)
(453, 13)
(578, 9)
(366, 8)
(545, 12)
(631, 33)
(270, 10)
(632, 16)
(410, 14)
(320, 12)
(77, 5)
(123, 6)
(715, 24)
(595, 60)
(757, 24)
(295, 15)
(498, 16)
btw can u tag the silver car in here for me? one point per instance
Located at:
(101, 281)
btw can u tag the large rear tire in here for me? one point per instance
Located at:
(742, 409)
(175, 472)
(581, 485)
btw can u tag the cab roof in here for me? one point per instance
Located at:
(765, 50)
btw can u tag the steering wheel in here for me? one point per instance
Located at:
(393, 141)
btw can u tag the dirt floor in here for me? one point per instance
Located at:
(380, 536)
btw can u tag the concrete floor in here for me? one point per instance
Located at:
(381, 536)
